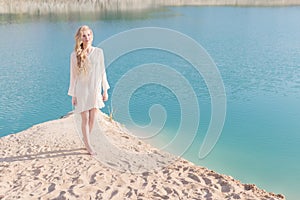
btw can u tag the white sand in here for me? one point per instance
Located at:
(49, 161)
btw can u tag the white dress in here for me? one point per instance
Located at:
(86, 87)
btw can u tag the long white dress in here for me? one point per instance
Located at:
(86, 87)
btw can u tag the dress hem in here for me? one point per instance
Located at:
(98, 107)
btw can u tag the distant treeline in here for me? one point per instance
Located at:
(66, 6)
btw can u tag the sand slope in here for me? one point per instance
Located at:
(49, 161)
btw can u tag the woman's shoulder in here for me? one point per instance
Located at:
(98, 49)
(73, 54)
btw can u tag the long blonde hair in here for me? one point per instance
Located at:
(81, 53)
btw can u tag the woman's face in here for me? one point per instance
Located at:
(87, 37)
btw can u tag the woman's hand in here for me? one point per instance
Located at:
(105, 96)
(74, 101)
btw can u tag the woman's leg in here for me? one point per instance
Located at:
(85, 131)
(92, 117)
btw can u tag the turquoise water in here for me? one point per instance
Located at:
(257, 51)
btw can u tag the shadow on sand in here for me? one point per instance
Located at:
(47, 154)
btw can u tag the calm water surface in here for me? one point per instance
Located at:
(257, 51)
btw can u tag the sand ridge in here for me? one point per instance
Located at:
(49, 161)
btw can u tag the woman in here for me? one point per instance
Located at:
(87, 76)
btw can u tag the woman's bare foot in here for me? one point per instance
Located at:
(91, 151)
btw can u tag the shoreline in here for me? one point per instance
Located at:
(69, 6)
(49, 160)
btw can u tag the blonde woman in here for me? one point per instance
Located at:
(87, 78)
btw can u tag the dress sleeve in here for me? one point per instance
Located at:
(105, 85)
(73, 75)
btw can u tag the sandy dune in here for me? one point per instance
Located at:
(49, 161)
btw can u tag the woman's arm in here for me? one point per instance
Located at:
(73, 77)
(71, 91)
(105, 85)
